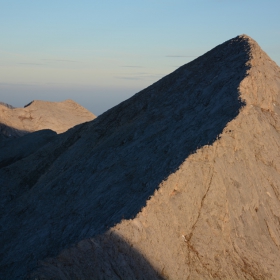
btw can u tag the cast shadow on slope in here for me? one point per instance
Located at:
(9, 132)
(99, 173)
(140, 142)
(106, 257)
(12, 150)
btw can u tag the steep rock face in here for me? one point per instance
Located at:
(205, 138)
(38, 115)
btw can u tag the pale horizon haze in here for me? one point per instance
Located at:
(99, 53)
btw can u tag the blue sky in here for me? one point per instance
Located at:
(99, 53)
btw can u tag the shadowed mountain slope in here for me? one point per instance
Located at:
(192, 135)
(8, 132)
(38, 115)
(12, 150)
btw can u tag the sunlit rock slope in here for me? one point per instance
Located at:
(38, 115)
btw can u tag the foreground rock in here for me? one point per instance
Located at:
(181, 181)
(38, 115)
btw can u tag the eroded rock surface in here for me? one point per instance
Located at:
(182, 180)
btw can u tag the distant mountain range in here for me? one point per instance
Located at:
(7, 105)
(38, 115)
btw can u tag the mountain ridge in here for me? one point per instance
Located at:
(38, 115)
(151, 170)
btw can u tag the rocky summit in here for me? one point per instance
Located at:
(39, 115)
(181, 181)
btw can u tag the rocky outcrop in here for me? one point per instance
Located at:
(38, 115)
(181, 180)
